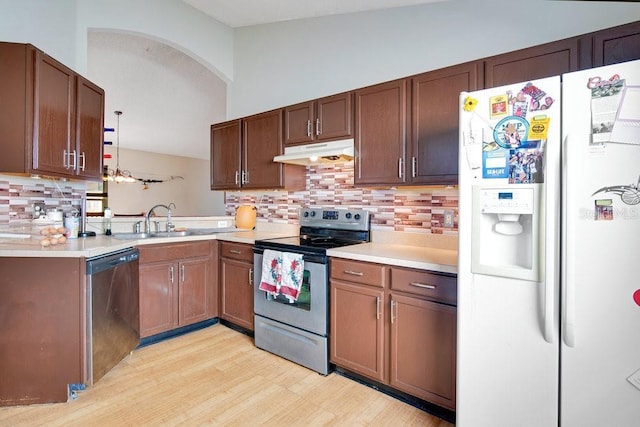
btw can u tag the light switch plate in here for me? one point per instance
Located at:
(448, 219)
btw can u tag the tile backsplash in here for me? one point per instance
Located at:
(416, 209)
(18, 195)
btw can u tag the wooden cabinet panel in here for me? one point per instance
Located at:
(158, 291)
(236, 285)
(242, 153)
(89, 143)
(380, 135)
(359, 272)
(423, 349)
(50, 116)
(177, 286)
(357, 329)
(226, 149)
(299, 120)
(262, 141)
(434, 286)
(537, 62)
(434, 122)
(618, 44)
(54, 113)
(193, 284)
(237, 251)
(42, 312)
(324, 119)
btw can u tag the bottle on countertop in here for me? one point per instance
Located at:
(107, 221)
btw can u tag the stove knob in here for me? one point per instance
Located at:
(357, 217)
(348, 215)
(313, 213)
(306, 214)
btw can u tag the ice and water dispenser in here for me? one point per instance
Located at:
(505, 240)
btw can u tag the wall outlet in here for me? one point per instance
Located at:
(38, 209)
(448, 219)
(222, 224)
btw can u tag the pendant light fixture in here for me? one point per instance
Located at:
(118, 175)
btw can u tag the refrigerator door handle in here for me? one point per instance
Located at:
(568, 267)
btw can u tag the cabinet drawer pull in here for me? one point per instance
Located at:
(171, 274)
(235, 251)
(182, 273)
(251, 277)
(393, 318)
(73, 165)
(308, 127)
(353, 273)
(414, 166)
(400, 167)
(237, 178)
(318, 129)
(84, 161)
(422, 285)
(378, 308)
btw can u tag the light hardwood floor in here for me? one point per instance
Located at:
(215, 376)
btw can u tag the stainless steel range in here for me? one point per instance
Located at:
(298, 328)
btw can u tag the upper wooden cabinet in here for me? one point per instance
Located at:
(434, 122)
(617, 44)
(242, 153)
(52, 118)
(381, 133)
(323, 119)
(551, 59)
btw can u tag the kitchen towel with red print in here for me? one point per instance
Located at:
(282, 273)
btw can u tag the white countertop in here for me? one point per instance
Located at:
(424, 258)
(410, 254)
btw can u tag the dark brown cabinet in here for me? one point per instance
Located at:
(242, 153)
(614, 45)
(381, 134)
(177, 286)
(434, 122)
(323, 119)
(236, 284)
(550, 59)
(42, 340)
(396, 326)
(52, 117)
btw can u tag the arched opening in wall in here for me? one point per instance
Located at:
(168, 102)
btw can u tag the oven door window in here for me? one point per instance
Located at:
(304, 299)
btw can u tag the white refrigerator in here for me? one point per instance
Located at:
(549, 252)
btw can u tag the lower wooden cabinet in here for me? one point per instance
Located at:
(177, 285)
(396, 326)
(236, 284)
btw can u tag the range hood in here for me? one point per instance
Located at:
(318, 153)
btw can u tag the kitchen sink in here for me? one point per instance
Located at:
(182, 233)
(132, 236)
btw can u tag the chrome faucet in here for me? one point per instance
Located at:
(169, 226)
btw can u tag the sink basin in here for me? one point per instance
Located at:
(171, 233)
(132, 236)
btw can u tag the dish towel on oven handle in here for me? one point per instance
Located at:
(292, 275)
(271, 277)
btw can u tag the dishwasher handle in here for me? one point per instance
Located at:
(109, 261)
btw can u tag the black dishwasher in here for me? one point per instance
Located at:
(112, 311)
